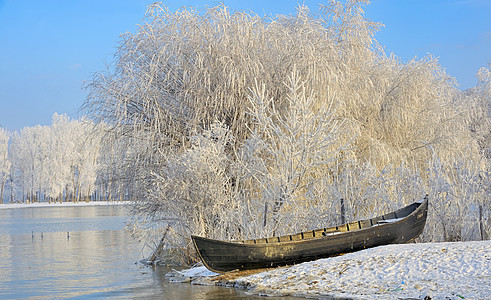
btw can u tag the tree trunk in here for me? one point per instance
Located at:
(481, 224)
(343, 212)
(159, 247)
(1, 191)
(11, 191)
(265, 214)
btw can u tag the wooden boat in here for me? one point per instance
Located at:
(400, 226)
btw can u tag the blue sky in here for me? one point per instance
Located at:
(49, 48)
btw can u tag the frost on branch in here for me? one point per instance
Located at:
(296, 151)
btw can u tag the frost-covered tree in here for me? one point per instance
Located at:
(182, 85)
(182, 71)
(85, 142)
(294, 148)
(57, 162)
(75, 149)
(4, 161)
(477, 102)
(61, 157)
(28, 157)
(120, 173)
(88, 167)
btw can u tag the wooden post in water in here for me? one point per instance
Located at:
(265, 213)
(152, 258)
(481, 224)
(343, 212)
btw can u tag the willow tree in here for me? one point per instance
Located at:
(182, 73)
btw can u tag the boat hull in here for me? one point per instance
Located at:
(223, 256)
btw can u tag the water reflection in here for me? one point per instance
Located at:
(38, 221)
(82, 252)
(55, 254)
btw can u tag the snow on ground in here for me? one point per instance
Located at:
(64, 204)
(409, 271)
(188, 275)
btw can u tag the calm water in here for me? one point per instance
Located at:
(38, 260)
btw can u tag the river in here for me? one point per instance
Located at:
(83, 252)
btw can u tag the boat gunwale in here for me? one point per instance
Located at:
(339, 234)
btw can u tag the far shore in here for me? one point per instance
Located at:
(63, 204)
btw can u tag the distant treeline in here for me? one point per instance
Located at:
(66, 161)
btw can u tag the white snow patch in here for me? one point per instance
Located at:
(197, 271)
(188, 275)
(438, 270)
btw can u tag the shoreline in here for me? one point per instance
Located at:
(58, 204)
(457, 270)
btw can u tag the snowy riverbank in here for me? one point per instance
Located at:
(410, 271)
(57, 204)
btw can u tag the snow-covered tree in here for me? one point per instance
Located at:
(61, 157)
(180, 72)
(477, 102)
(4, 160)
(27, 161)
(120, 174)
(295, 148)
(182, 85)
(57, 162)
